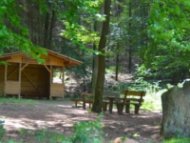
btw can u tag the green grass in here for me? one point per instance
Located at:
(45, 136)
(152, 100)
(84, 132)
(4, 100)
(178, 140)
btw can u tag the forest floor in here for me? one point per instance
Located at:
(60, 116)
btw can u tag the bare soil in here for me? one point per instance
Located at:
(61, 115)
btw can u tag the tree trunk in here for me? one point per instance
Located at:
(93, 61)
(46, 27)
(129, 39)
(117, 64)
(118, 12)
(52, 23)
(99, 81)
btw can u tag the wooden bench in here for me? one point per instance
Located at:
(84, 98)
(88, 98)
(130, 98)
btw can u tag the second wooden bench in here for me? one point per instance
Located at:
(130, 98)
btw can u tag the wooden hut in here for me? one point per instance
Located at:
(25, 77)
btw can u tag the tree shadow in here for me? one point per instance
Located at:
(61, 116)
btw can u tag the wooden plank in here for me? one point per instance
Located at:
(5, 78)
(57, 90)
(2, 76)
(19, 79)
(63, 75)
(134, 93)
(55, 61)
(15, 58)
(12, 72)
(48, 69)
(23, 67)
(30, 81)
(12, 87)
(50, 82)
(52, 58)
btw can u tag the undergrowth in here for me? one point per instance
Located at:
(178, 140)
(84, 132)
(4, 100)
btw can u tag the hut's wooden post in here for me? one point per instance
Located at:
(19, 78)
(50, 82)
(63, 75)
(5, 79)
(49, 69)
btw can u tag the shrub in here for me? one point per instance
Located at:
(88, 132)
(178, 140)
(2, 130)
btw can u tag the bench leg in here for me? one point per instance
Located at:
(137, 109)
(84, 105)
(90, 105)
(127, 108)
(120, 108)
(75, 104)
(104, 107)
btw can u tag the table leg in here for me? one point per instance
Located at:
(84, 105)
(110, 105)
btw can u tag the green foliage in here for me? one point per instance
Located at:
(139, 84)
(45, 136)
(78, 18)
(84, 132)
(167, 54)
(178, 140)
(16, 101)
(11, 141)
(14, 36)
(2, 130)
(88, 131)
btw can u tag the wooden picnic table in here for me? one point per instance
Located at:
(130, 98)
(112, 100)
(134, 98)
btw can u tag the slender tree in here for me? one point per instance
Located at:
(130, 37)
(100, 71)
(118, 10)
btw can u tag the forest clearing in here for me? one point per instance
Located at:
(23, 119)
(94, 71)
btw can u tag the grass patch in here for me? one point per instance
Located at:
(45, 136)
(152, 100)
(4, 100)
(178, 140)
(84, 132)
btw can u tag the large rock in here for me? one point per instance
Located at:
(176, 112)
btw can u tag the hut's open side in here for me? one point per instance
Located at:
(22, 76)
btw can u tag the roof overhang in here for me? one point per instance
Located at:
(52, 58)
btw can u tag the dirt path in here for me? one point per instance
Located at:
(60, 116)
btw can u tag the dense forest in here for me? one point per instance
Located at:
(148, 33)
(148, 39)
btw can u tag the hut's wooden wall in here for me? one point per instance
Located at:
(30, 79)
(35, 82)
(57, 90)
(13, 72)
(2, 80)
(12, 85)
